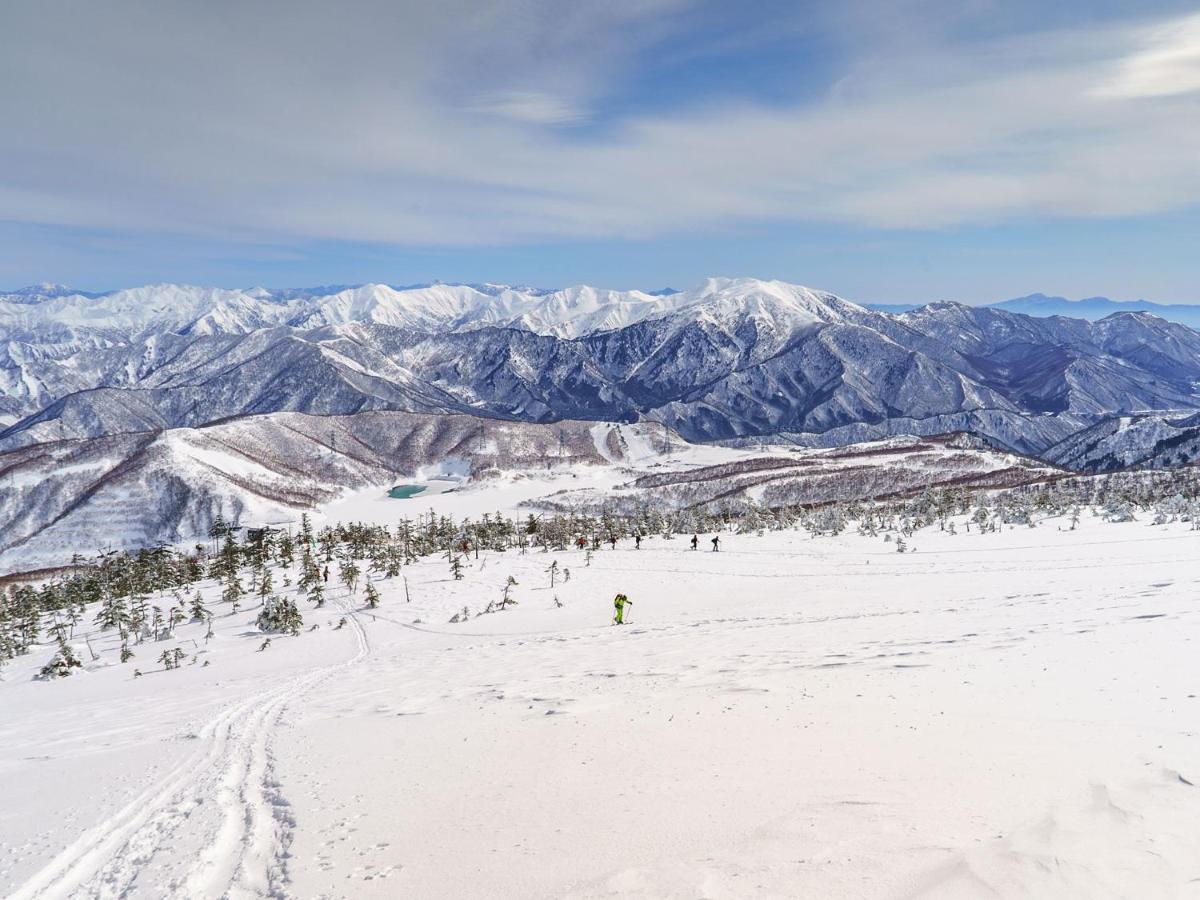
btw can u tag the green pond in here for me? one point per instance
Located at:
(404, 491)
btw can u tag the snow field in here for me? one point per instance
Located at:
(1007, 714)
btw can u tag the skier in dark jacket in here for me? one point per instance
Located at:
(695, 540)
(716, 542)
(637, 542)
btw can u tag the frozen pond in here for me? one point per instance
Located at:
(420, 489)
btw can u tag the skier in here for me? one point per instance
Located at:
(325, 575)
(619, 602)
(695, 541)
(637, 542)
(581, 543)
(613, 541)
(716, 542)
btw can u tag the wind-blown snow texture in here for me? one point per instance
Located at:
(1008, 714)
(732, 358)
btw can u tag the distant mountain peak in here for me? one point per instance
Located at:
(43, 291)
(1096, 308)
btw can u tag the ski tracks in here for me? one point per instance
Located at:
(225, 798)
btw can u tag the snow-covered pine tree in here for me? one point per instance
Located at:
(265, 585)
(218, 530)
(305, 535)
(506, 598)
(61, 663)
(196, 608)
(279, 615)
(287, 550)
(316, 594)
(232, 591)
(372, 596)
(348, 573)
(113, 613)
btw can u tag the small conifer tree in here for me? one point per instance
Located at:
(372, 596)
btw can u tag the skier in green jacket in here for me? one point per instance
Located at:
(619, 602)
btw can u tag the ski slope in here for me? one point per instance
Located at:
(1007, 714)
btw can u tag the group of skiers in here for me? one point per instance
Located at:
(581, 542)
(621, 601)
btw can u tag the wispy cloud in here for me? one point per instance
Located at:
(1167, 62)
(534, 107)
(442, 124)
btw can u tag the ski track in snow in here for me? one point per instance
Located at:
(1004, 714)
(247, 848)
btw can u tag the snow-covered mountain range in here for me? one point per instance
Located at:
(1091, 308)
(730, 359)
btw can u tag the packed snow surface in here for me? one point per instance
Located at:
(1008, 714)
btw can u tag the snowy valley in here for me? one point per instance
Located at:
(255, 405)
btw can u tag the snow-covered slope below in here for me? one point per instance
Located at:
(1008, 714)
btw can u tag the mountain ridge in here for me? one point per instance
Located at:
(733, 358)
(1096, 308)
(1035, 304)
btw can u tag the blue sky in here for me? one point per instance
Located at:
(898, 151)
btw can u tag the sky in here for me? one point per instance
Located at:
(891, 151)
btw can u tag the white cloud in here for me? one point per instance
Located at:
(535, 107)
(1166, 64)
(440, 124)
